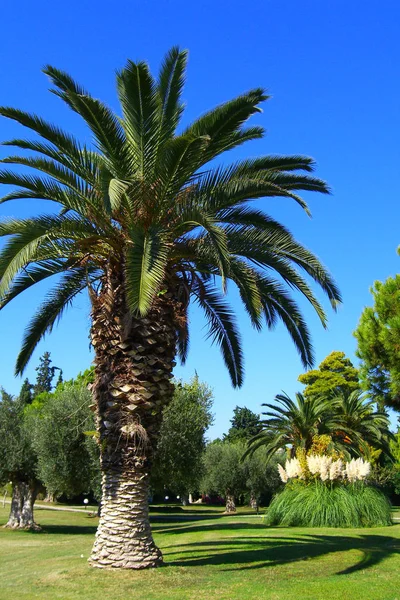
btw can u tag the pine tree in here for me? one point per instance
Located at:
(45, 375)
(25, 394)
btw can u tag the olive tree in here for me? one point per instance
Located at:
(224, 471)
(178, 461)
(18, 462)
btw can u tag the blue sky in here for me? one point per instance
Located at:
(332, 70)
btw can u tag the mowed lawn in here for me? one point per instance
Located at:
(220, 558)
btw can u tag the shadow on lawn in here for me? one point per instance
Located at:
(248, 552)
(66, 529)
(194, 527)
(255, 552)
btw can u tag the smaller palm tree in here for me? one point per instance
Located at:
(294, 424)
(349, 419)
(365, 427)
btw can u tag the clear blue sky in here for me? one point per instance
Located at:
(332, 69)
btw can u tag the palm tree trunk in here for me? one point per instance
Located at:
(133, 371)
(124, 538)
(23, 499)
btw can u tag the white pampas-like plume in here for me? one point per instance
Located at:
(319, 465)
(282, 474)
(326, 462)
(336, 470)
(364, 468)
(324, 466)
(293, 468)
(357, 469)
(314, 464)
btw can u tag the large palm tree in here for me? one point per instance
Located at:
(148, 221)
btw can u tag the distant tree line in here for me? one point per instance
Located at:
(49, 445)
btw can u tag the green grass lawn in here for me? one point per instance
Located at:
(219, 558)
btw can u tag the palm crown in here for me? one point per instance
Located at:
(348, 418)
(147, 201)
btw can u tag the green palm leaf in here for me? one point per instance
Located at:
(146, 259)
(222, 329)
(52, 309)
(170, 84)
(150, 208)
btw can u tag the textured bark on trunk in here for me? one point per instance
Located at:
(133, 369)
(230, 506)
(124, 538)
(253, 501)
(22, 502)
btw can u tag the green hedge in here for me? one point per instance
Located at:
(321, 504)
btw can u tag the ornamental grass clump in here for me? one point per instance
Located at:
(328, 493)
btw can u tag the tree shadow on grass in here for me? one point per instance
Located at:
(66, 529)
(194, 527)
(251, 553)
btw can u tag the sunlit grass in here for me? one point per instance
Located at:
(223, 558)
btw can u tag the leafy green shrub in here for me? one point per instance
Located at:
(328, 505)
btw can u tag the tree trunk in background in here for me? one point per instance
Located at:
(22, 502)
(49, 497)
(230, 506)
(253, 501)
(185, 499)
(133, 369)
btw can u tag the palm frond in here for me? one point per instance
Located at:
(170, 85)
(62, 140)
(104, 124)
(222, 329)
(246, 280)
(31, 275)
(276, 301)
(63, 175)
(193, 217)
(183, 341)
(138, 96)
(49, 312)
(146, 259)
(223, 124)
(179, 160)
(40, 188)
(220, 189)
(31, 236)
(77, 161)
(275, 251)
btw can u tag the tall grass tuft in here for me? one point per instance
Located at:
(329, 505)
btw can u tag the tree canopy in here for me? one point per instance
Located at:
(144, 195)
(224, 471)
(45, 375)
(17, 458)
(62, 436)
(26, 393)
(244, 425)
(178, 459)
(335, 374)
(378, 334)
